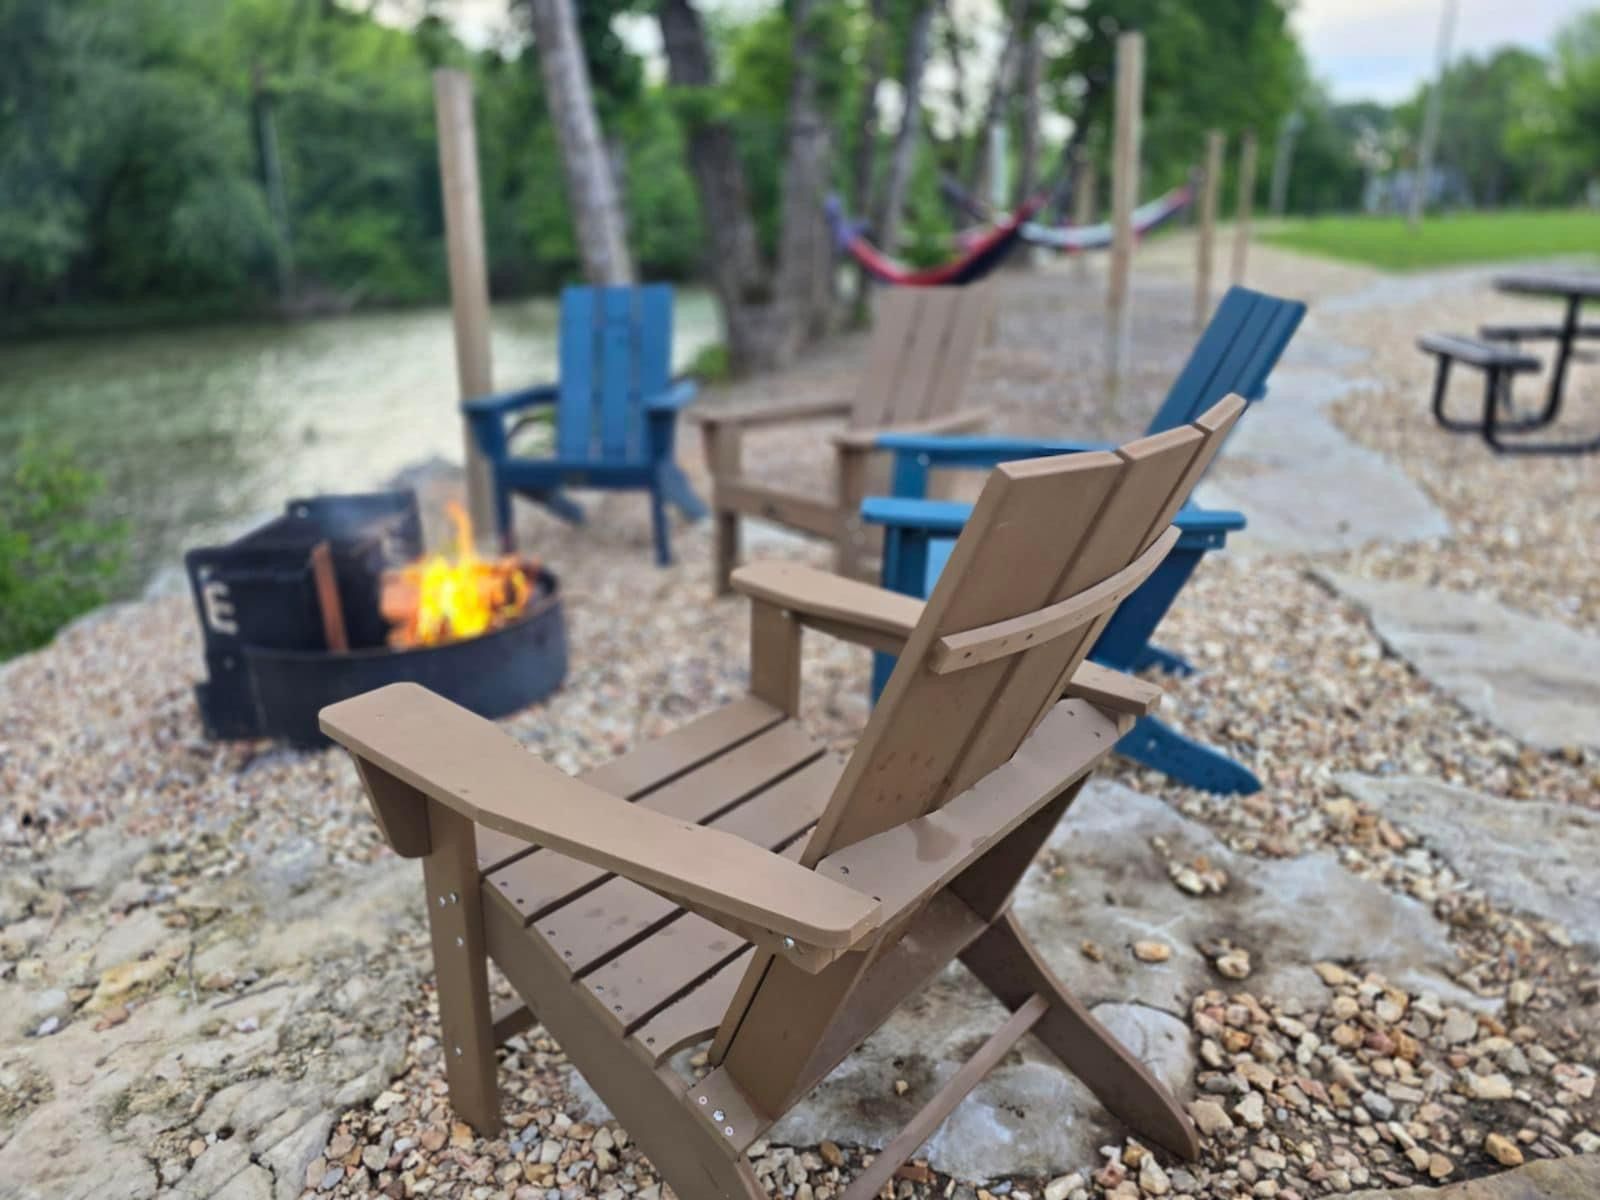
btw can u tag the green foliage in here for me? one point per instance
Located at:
(1445, 240)
(137, 139)
(711, 364)
(58, 558)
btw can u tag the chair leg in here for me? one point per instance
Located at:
(460, 958)
(562, 505)
(1157, 745)
(658, 524)
(1006, 962)
(724, 549)
(676, 486)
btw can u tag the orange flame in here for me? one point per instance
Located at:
(441, 598)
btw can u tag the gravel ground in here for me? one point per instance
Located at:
(1378, 1087)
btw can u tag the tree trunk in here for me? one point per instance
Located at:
(591, 187)
(999, 95)
(1028, 143)
(892, 204)
(767, 315)
(867, 134)
(805, 252)
(737, 273)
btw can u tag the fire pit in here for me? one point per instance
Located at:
(335, 598)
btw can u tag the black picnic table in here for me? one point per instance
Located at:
(1574, 287)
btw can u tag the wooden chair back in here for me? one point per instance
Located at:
(1013, 615)
(615, 354)
(924, 344)
(1241, 344)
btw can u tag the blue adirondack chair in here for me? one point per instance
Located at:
(616, 412)
(1236, 353)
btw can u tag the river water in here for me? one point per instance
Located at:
(199, 432)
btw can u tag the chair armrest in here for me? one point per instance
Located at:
(675, 398)
(506, 402)
(1208, 520)
(979, 451)
(911, 861)
(1113, 691)
(951, 422)
(847, 608)
(937, 518)
(749, 415)
(471, 766)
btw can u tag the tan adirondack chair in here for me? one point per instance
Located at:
(918, 363)
(734, 881)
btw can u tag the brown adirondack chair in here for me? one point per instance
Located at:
(733, 879)
(918, 363)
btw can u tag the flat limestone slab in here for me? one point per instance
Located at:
(1534, 857)
(1030, 1116)
(1536, 679)
(1305, 487)
(1546, 1179)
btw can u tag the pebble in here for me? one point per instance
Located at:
(1503, 1150)
(1252, 1110)
(1490, 1087)
(1152, 952)
(1235, 964)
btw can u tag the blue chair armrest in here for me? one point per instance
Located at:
(1208, 520)
(507, 402)
(675, 398)
(978, 451)
(934, 517)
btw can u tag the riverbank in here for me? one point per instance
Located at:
(219, 930)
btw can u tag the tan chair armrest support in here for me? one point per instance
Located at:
(952, 422)
(906, 864)
(471, 766)
(1113, 691)
(854, 611)
(748, 415)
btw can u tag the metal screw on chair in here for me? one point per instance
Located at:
(717, 1114)
(788, 943)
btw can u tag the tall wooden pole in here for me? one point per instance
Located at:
(1205, 242)
(1247, 192)
(469, 274)
(1124, 195)
(1430, 118)
(1083, 189)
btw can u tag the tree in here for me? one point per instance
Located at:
(771, 304)
(914, 62)
(602, 239)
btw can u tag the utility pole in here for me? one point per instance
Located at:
(1127, 130)
(1282, 159)
(1430, 117)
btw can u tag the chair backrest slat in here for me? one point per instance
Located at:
(1235, 354)
(923, 347)
(615, 353)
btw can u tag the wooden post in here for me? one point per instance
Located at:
(1205, 242)
(1247, 189)
(1083, 188)
(469, 274)
(1124, 195)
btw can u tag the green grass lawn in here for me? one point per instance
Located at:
(1444, 240)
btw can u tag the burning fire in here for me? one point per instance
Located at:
(441, 598)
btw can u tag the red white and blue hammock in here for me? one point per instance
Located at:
(982, 253)
(1073, 239)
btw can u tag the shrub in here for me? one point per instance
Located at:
(58, 556)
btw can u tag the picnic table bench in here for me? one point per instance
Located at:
(1499, 364)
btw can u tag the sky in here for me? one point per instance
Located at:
(1363, 49)
(1382, 49)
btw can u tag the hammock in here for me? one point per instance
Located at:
(1076, 238)
(981, 254)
